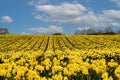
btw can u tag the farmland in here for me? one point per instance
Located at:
(59, 57)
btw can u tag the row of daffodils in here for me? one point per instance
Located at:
(59, 57)
(52, 42)
(67, 65)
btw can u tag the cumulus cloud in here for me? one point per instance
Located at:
(65, 8)
(116, 1)
(109, 18)
(76, 13)
(72, 13)
(65, 12)
(89, 18)
(49, 30)
(6, 19)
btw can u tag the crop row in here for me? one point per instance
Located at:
(52, 42)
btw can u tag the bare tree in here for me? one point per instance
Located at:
(108, 30)
(4, 31)
(99, 32)
(90, 31)
(117, 31)
(86, 30)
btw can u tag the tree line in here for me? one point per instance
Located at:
(91, 31)
(82, 31)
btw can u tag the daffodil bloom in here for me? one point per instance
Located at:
(117, 72)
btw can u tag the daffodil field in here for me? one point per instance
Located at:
(59, 57)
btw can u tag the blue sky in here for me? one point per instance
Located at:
(51, 16)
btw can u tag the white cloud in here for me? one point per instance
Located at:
(109, 18)
(37, 2)
(76, 13)
(116, 1)
(84, 28)
(6, 19)
(64, 8)
(23, 33)
(49, 30)
(38, 17)
(65, 13)
(89, 19)
(62, 13)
